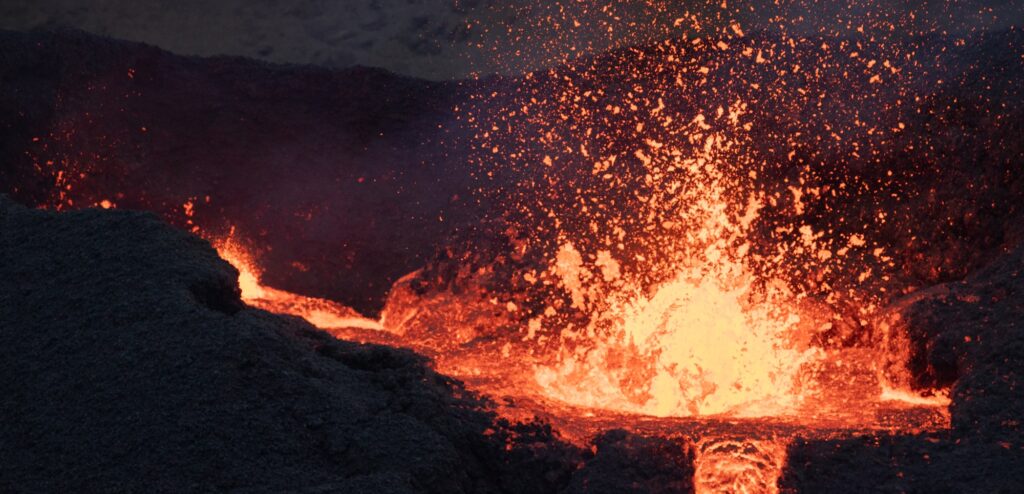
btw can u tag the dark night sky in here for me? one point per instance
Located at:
(452, 38)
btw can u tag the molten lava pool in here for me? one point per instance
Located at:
(739, 438)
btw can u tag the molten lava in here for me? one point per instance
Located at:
(707, 352)
(322, 313)
(696, 348)
(739, 465)
(665, 283)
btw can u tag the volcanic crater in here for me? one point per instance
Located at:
(757, 263)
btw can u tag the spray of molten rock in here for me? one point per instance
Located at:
(658, 296)
(715, 340)
(707, 341)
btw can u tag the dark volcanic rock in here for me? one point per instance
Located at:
(128, 363)
(346, 172)
(621, 462)
(967, 334)
(900, 464)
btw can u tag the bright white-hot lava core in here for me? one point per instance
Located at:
(706, 341)
(706, 348)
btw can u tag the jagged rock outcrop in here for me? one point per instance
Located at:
(129, 364)
(969, 335)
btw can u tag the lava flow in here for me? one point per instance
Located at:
(732, 454)
(319, 312)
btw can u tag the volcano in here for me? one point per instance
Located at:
(746, 262)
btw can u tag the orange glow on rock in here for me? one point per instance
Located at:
(739, 466)
(322, 313)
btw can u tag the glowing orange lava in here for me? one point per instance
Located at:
(699, 334)
(322, 313)
(739, 466)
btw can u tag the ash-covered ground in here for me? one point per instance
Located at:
(130, 364)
